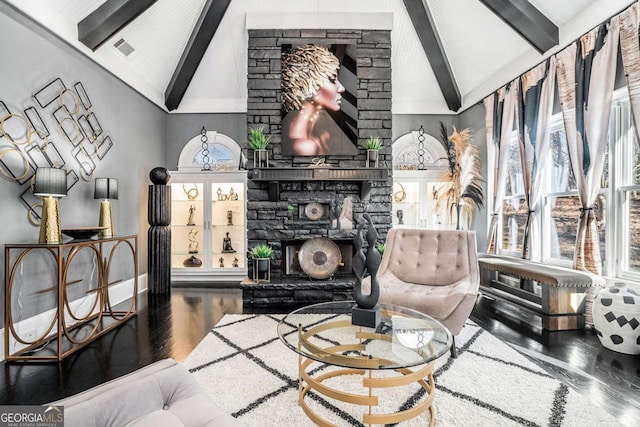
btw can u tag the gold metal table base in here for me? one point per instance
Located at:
(366, 365)
(100, 318)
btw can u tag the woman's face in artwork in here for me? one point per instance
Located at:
(329, 95)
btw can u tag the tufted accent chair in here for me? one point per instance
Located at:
(432, 271)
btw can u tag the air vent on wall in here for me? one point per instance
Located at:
(124, 47)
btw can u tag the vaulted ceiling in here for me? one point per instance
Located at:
(191, 55)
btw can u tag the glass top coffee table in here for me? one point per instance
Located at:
(323, 334)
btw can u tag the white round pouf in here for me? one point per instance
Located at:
(616, 318)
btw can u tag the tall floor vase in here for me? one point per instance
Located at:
(159, 234)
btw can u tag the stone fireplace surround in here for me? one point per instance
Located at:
(267, 217)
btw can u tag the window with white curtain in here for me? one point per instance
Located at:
(617, 207)
(514, 209)
(627, 234)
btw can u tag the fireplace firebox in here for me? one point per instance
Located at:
(290, 264)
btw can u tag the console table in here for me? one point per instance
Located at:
(70, 285)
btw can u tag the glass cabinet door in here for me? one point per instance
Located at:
(227, 225)
(188, 225)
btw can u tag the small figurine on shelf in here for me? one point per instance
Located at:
(400, 215)
(221, 262)
(234, 263)
(229, 217)
(192, 211)
(226, 244)
(193, 241)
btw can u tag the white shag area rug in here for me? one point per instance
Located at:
(243, 365)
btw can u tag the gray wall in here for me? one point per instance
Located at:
(405, 123)
(181, 128)
(32, 57)
(473, 118)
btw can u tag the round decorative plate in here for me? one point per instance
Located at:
(319, 257)
(314, 211)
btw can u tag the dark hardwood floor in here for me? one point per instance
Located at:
(171, 326)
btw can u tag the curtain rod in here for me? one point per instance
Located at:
(564, 47)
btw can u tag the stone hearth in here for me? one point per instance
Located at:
(292, 292)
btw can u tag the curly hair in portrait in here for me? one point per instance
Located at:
(306, 69)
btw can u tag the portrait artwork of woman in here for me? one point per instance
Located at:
(310, 87)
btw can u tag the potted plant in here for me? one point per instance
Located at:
(290, 210)
(373, 145)
(261, 255)
(258, 142)
(380, 248)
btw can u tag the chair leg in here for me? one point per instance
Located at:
(454, 350)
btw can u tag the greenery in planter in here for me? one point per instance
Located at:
(261, 251)
(257, 139)
(373, 143)
(380, 248)
(290, 209)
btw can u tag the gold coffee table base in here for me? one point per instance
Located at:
(307, 382)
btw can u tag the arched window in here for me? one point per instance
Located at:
(224, 153)
(405, 152)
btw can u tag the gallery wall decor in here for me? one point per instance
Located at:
(28, 142)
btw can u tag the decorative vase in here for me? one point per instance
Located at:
(372, 158)
(616, 317)
(192, 261)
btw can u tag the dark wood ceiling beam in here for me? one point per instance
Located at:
(527, 21)
(198, 43)
(113, 15)
(425, 28)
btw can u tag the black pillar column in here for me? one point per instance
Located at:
(159, 234)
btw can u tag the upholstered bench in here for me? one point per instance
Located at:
(161, 394)
(554, 294)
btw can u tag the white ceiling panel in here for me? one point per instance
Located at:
(159, 36)
(482, 50)
(476, 42)
(560, 12)
(414, 85)
(76, 10)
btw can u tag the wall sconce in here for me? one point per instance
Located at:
(106, 189)
(50, 184)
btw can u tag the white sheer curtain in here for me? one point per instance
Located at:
(586, 72)
(499, 113)
(630, 46)
(535, 105)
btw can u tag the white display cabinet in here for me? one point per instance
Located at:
(413, 200)
(208, 232)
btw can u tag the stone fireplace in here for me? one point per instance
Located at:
(272, 190)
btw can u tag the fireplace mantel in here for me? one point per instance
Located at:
(362, 175)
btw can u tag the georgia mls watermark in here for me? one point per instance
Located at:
(31, 416)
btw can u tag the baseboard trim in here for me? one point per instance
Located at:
(35, 325)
